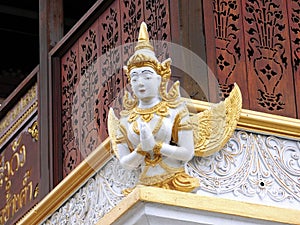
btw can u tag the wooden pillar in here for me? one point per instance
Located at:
(50, 32)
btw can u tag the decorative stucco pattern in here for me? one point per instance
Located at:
(251, 167)
(98, 196)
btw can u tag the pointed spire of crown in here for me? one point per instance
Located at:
(143, 41)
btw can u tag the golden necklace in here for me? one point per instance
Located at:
(147, 114)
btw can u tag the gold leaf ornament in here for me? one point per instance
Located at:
(213, 127)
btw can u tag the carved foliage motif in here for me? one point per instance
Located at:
(70, 79)
(157, 20)
(257, 43)
(80, 88)
(253, 167)
(268, 53)
(84, 125)
(111, 78)
(92, 76)
(228, 47)
(294, 27)
(132, 16)
(295, 33)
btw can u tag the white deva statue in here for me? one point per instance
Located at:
(156, 133)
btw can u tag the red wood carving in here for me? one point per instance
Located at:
(227, 62)
(229, 47)
(157, 19)
(111, 78)
(251, 39)
(268, 57)
(132, 14)
(70, 79)
(294, 29)
(84, 110)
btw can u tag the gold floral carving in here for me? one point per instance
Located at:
(33, 130)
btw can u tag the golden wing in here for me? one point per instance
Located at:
(113, 125)
(213, 127)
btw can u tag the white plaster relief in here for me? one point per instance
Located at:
(98, 196)
(252, 167)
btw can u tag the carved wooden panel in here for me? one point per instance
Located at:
(84, 113)
(229, 47)
(252, 47)
(70, 78)
(226, 55)
(268, 57)
(294, 29)
(80, 83)
(132, 15)
(157, 20)
(111, 79)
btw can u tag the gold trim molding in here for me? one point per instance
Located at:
(198, 202)
(18, 114)
(18, 123)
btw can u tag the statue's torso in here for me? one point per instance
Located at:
(162, 126)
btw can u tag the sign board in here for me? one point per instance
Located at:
(19, 178)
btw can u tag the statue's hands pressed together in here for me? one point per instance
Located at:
(146, 137)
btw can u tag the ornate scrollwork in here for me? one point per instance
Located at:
(70, 80)
(85, 94)
(252, 167)
(157, 19)
(98, 196)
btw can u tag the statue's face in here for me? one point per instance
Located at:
(145, 83)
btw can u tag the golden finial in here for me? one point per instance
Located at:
(143, 41)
